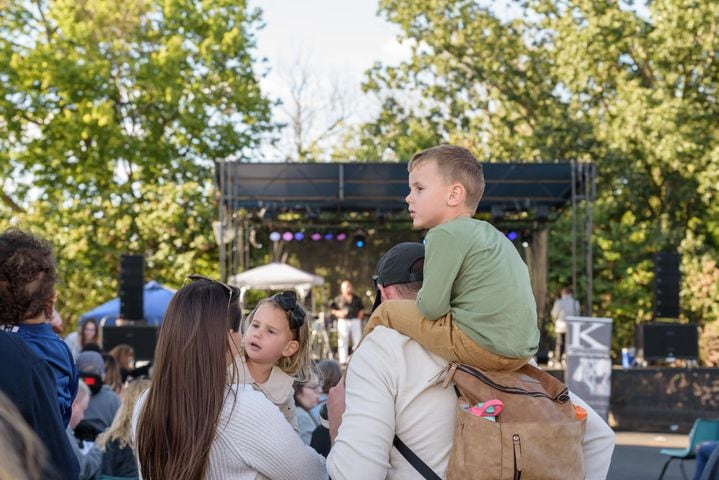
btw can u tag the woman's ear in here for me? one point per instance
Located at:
(291, 348)
(457, 195)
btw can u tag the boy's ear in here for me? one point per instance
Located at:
(291, 348)
(457, 195)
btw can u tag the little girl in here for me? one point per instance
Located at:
(276, 344)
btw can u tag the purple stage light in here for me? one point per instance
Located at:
(341, 236)
(274, 236)
(287, 236)
(299, 236)
(316, 236)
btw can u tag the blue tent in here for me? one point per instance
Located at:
(157, 297)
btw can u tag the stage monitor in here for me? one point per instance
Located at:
(670, 340)
(142, 338)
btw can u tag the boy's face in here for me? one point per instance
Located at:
(428, 196)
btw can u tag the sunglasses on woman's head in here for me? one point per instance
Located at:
(230, 291)
(288, 302)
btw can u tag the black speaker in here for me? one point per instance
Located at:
(670, 340)
(142, 339)
(667, 278)
(132, 280)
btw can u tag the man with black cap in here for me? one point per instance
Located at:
(392, 390)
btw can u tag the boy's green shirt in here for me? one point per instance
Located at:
(475, 272)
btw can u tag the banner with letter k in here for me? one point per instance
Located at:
(589, 364)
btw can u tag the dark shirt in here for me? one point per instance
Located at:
(29, 383)
(353, 306)
(118, 461)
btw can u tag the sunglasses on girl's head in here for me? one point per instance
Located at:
(230, 291)
(288, 302)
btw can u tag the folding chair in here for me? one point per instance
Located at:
(702, 431)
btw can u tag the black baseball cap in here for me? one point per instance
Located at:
(395, 267)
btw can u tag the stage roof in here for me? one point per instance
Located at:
(539, 189)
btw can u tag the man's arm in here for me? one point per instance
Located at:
(598, 443)
(364, 439)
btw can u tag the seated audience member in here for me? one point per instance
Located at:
(197, 420)
(104, 403)
(30, 385)
(88, 333)
(392, 389)
(307, 395)
(27, 303)
(22, 455)
(89, 459)
(125, 357)
(118, 458)
(704, 450)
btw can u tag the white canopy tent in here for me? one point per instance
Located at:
(276, 276)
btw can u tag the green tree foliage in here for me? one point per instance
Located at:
(633, 90)
(111, 114)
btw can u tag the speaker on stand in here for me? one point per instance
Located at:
(667, 278)
(132, 283)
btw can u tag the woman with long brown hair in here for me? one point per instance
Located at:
(198, 420)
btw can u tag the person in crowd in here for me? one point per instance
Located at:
(125, 356)
(90, 458)
(463, 312)
(307, 396)
(103, 403)
(113, 376)
(347, 308)
(195, 422)
(118, 458)
(30, 385)
(563, 307)
(22, 455)
(89, 333)
(27, 303)
(392, 389)
(703, 451)
(331, 373)
(276, 347)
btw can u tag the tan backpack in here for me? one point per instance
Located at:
(536, 436)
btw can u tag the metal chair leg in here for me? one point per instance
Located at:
(664, 468)
(681, 467)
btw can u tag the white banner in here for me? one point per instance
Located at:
(589, 364)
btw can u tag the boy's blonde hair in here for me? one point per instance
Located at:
(456, 164)
(298, 365)
(121, 428)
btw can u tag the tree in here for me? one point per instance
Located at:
(111, 115)
(634, 92)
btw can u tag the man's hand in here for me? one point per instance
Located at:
(335, 408)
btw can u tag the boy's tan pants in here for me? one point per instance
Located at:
(441, 336)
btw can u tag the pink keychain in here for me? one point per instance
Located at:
(490, 408)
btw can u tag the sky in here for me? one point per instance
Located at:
(336, 40)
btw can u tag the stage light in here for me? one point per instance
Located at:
(299, 236)
(275, 236)
(287, 236)
(512, 235)
(359, 240)
(525, 244)
(329, 236)
(316, 236)
(342, 236)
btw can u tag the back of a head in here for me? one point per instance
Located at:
(22, 455)
(27, 276)
(121, 428)
(189, 375)
(401, 267)
(330, 372)
(456, 164)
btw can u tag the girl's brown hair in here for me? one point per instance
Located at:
(299, 365)
(178, 422)
(123, 353)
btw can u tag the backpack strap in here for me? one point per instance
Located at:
(414, 460)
